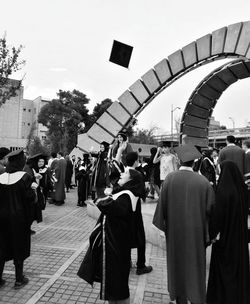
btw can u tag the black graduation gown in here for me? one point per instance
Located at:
(229, 275)
(36, 207)
(15, 217)
(112, 264)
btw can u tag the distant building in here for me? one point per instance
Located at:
(213, 124)
(18, 116)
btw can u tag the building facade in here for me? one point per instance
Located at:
(18, 118)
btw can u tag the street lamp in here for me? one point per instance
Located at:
(231, 118)
(172, 118)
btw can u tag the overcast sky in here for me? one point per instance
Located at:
(68, 43)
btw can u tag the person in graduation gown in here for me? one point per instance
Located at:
(229, 275)
(17, 196)
(116, 222)
(207, 167)
(31, 168)
(100, 173)
(69, 173)
(182, 213)
(82, 176)
(60, 171)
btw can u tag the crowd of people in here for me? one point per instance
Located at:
(202, 195)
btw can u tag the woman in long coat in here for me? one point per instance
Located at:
(111, 259)
(229, 276)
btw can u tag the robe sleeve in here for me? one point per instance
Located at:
(217, 218)
(160, 216)
(119, 207)
(209, 206)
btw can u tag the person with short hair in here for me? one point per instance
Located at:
(108, 258)
(234, 153)
(182, 214)
(17, 195)
(132, 161)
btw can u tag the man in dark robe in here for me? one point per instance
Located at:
(60, 171)
(182, 213)
(17, 196)
(233, 153)
(3, 159)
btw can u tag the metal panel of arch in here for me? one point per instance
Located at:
(232, 41)
(198, 111)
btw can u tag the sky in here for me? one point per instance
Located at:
(67, 45)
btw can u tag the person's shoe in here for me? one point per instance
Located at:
(2, 282)
(145, 269)
(20, 284)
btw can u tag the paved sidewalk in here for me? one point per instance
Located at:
(58, 248)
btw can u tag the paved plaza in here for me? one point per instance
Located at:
(58, 248)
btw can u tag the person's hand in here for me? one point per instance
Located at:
(38, 176)
(159, 150)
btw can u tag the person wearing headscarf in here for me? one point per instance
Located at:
(44, 183)
(3, 159)
(100, 171)
(31, 168)
(229, 274)
(17, 196)
(110, 262)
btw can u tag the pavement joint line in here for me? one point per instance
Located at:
(139, 292)
(55, 247)
(36, 297)
(52, 224)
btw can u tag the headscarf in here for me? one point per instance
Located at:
(231, 199)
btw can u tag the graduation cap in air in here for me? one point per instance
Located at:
(187, 153)
(15, 154)
(121, 53)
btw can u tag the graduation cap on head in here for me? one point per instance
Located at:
(187, 153)
(38, 156)
(15, 154)
(121, 53)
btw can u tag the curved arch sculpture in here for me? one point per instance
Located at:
(232, 41)
(200, 106)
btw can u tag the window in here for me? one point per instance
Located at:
(28, 124)
(24, 109)
(29, 110)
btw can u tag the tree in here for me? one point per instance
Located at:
(36, 147)
(144, 136)
(62, 117)
(9, 63)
